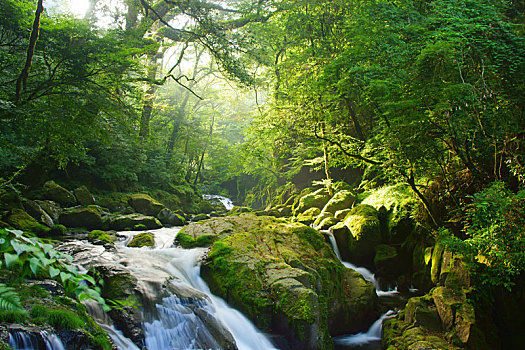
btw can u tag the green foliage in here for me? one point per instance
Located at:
(9, 299)
(31, 257)
(495, 245)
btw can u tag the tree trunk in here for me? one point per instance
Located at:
(357, 125)
(22, 79)
(149, 97)
(204, 151)
(326, 166)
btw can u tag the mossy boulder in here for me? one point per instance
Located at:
(317, 199)
(286, 278)
(144, 204)
(51, 208)
(83, 196)
(238, 209)
(363, 225)
(200, 217)
(102, 237)
(59, 194)
(169, 218)
(340, 201)
(400, 203)
(21, 220)
(81, 217)
(326, 223)
(308, 216)
(144, 239)
(386, 261)
(421, 311)
(128, 222)
(341, 214)
(39, 214)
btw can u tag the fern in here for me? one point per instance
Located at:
(9, 299)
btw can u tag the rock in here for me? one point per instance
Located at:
(200, 217)
(363, 223)
(386, 262)
(21, 220)
(81, 217)
(340, 201)
(447, 301)
(101, 237)
(320, 218)
(143, 239)
(317, 199)
(33, 209)
(285, 277)
(421, 311)
(51, 208)
(326, 223)
(237, 210)
(169, 218)
(308, 216)
(465, 319)
(127, 222)
(341, 214)
(454, 273)
(83, 196)
(57, 193)
(144, 204)
(219, 333)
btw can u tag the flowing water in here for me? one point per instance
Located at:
(179, 311)
(227, 202)
(23, 340)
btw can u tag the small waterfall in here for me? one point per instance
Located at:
(22, 340)
(227, 202)
(373, 333)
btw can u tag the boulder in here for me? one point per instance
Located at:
(200, 217)
(219, 333)
(326, 223)
(169, 218)
(308, 216)
(286, 278)
(59, 194)
(144, 204)
(81, 217)
(128, 222)
(320, 218)
(340, 201)
(51, 208)
(21, 220)
(317, 199)
(144, 239)
(83, 196)
(33, 209)
(421, 311)
(341, 214)
(386, 261)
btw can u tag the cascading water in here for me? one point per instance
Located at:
(179, 311)
(227, 202)
(22, 340)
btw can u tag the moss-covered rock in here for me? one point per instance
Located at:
(39, 214)
(169, 218)
(363, 225)
(238, 209)
(144, 204)
(386, 261)
(144, 239)
(187, 241)
(83, 196)
(286, 278)
(341, 214)
(81, 217)
(326, 223)
(59, 194)
(98, 236)
(317, 199)
(340, 201)
(128, 222)
(21, 220)
(200, 217)
(308, 216)
(51, 208)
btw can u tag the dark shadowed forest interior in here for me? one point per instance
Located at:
(262, 174)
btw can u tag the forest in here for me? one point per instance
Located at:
(261, 174)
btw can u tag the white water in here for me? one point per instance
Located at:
(173, 322)
(227, 202)
(20, 340)
(373, 333)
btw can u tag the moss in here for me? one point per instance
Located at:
(140, 227)
(308, 216)
(57, 230)
(98, 235)
(19, 219)
(317, 199)
(143, 239)
(186, 241)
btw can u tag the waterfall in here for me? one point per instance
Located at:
(23, 340)
(179, 311)
(373, 333)
(227, 202)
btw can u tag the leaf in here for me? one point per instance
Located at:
(10, 259)
(34, 264)
(64, 276)
(53, 272)
(9, 299)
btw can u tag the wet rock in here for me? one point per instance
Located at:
(81, 217)
(144, 204)
(128, 222)
(143, 239)
(317, 199)
(83, 196)
(285, 277)
(59, 194)
(220, 334)
(33, 209)
(169, 218)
